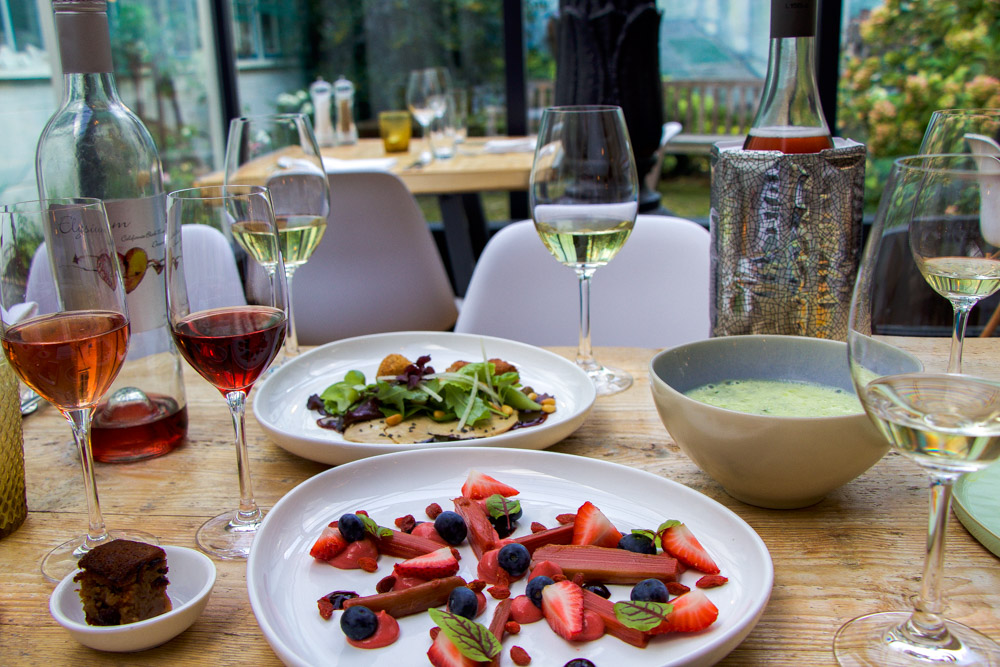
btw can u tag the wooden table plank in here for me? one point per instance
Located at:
(857, 551)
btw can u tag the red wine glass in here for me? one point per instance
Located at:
(232, 334)
(68, 339)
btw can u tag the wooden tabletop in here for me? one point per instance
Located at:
(472, 169)
(857, 551)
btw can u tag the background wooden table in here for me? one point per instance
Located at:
(857, 551)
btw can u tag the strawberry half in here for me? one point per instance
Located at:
(329, 544)
(436, 564)
(479, 486)
(443, 653)
(562, 606)
(592, 527)
(692, 612)
(678, 541)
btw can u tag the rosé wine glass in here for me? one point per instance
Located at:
(233, 338)
(67, 340)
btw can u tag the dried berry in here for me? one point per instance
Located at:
(519, 656)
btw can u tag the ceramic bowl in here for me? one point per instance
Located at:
(192, 576)
(768, 461)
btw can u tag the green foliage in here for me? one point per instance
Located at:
(917, 56)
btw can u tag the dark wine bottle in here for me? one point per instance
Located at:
(790, 118)
(95, 146)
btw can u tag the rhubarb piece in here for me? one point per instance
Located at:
(482, 536)
(498, 624)
(411, 600)
(678, 541)
(612, 626)
(562, 606)
(559, 535)
(405, 545)
(478, 486)
(692, 612)
(593, 527)
(437, 564)
(609, 566)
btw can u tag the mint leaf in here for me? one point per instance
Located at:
(642, 615)
(373, 528)
(498, 506)
(473, 640)
(669, 523)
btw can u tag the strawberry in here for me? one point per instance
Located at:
(692, 612)
(562, 606)
(592, 527)
(478, 486)
(443, 653)
(678, 541)
(329, 544)
(436, 564)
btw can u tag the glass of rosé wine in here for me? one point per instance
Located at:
(65, 329)
(233, 334)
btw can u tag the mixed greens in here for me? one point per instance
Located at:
(469, 395)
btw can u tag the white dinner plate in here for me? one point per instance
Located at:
(284, 582)
(280, 402)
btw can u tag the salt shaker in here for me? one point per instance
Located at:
(320, 92)
(343, 93)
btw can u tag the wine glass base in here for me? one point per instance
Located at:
(227, 536)
(65, 558)
(880, 639)
(608, 380)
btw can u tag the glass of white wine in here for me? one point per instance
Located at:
(946, 421)
(584, 198)
(280, 152)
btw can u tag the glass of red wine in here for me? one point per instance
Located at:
(231, 332)
(65, 329)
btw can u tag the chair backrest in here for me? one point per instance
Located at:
(654, 294)
(377, 268)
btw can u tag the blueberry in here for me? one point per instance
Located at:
(599, 589)
(337, 598)
(534, 588)
(451, 527)
(464, 602)
(649, 590)
(351, 527)
(514, 558)
(358, 623)
(639, 544)
(504, 525)
(579, 662)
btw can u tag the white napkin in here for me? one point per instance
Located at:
(19, 311)
(519, 145)
(333, 165)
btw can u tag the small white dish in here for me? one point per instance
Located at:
(192, 576)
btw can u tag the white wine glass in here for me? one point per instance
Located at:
(584, 198)
(280, 151)
(426, 98)
(72, 343)
(233, 339)
(945, 421)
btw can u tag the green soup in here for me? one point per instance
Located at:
(778, 398)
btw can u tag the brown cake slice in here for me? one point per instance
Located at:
(123, 582)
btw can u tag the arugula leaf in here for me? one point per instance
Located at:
(642, 615)
(473, 640)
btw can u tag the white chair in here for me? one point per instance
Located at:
(377, 268)
(654, 294)
(670, 130)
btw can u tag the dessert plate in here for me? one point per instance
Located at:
(280, 401)
(977, 507)
(284, 582)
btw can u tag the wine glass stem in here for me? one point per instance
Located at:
(291, 334)
(80, 422)
(927, 620)
(958, 338)
(248, 512)
(584, 353)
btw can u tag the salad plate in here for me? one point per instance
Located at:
(284, 581)
(280, 401)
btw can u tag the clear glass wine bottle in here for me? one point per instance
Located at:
(95, 146)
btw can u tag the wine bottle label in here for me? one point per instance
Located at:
(84, 39)
(793, 18)
(138, 227)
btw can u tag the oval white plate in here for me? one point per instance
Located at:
(280, 402)
(284, 582)
(192, 576)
